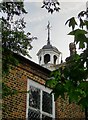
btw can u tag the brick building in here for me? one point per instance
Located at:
(29, 76)
(37, 102)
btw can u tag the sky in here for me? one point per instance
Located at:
(37, 20)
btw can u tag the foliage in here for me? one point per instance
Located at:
(51, 5)
(72, 77)
(14, 37)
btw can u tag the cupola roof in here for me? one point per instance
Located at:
(50, 47)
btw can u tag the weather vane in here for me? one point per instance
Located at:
(48, 27)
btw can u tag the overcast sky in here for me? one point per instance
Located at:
(37, 20)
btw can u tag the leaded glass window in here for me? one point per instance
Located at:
(34, 97)
(47, 102)
(44, 117)
(33, 114)
(40, 102)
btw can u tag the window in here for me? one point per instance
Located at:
(46, 58)
(40, 103)
(55, 58)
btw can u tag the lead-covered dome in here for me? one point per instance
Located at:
(50, 47)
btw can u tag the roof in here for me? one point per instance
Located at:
(36, 66)
(49, 47)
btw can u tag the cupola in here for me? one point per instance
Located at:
(48, 55)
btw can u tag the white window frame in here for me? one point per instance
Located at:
(42, 88)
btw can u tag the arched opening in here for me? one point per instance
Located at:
(55, 59)
(46, 58)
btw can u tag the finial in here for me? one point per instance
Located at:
(48, 27)
(72, 48)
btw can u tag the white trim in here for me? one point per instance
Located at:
(37, 85)
(41, 104)
(27, 100)
(53, 105)
(42, 88)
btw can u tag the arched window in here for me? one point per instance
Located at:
(55, 58)
(46, 58)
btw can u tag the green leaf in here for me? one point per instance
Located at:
(59, 90)
(73, 96)
(68, 85)
(81, 45)
(51, 83)
(84, 85)
(55, 77)
(86, 23)
(72, 22)
(77, 32)
(83, 102)
(82, 23)
(80, 36)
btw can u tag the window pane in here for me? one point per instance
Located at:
(46, 117)
(47, 102)
(34, 97)
(33, 115)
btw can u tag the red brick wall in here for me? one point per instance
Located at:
(66, 110)
(15, 105)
